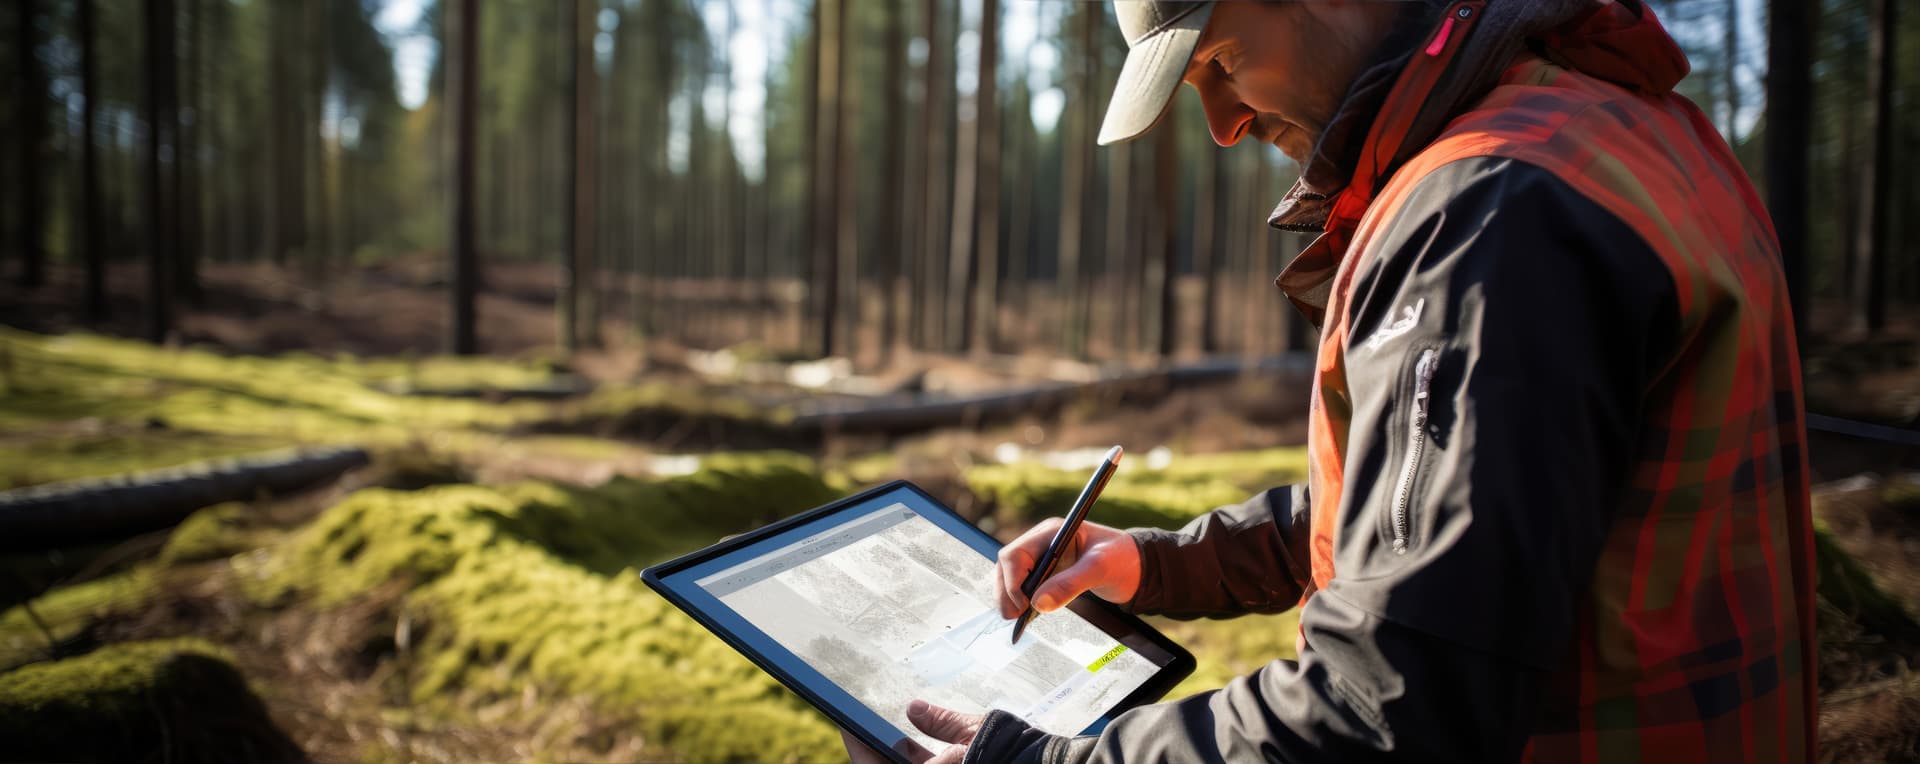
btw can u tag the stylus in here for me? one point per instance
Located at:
(1043, 568)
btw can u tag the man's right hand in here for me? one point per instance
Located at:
(1099, 559)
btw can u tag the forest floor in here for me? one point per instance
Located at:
(470, 595)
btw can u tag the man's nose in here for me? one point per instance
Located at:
(1227, 118)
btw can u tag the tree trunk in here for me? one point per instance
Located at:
(960, 265)
(1167, 210)
(90, 220)
(1850, 73)
(162, 135)
(32, 97)
(1120, 248)
(99, 509)
(939, 84)
(983, 276)
(285, 169)
(186, 170)
(1206, 238)
(828, 15)
(579, 317)
(1789, 131)
(846, 242)
(466, 260)
(892, 244)
(1076, 148)
(1870, 285)
(319, 214)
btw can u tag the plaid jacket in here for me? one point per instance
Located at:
(1694, 639)
(1558, 506)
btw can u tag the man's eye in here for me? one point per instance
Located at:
(1220, 65)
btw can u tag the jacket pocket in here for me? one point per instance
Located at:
(1402, 521)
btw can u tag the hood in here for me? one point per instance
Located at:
(1620, 41)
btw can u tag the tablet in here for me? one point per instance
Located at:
(873, 601)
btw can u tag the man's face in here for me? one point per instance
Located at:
(1277, 71)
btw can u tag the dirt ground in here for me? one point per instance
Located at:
(329, 668)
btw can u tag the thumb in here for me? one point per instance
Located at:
(942, 723)
(1065, 585)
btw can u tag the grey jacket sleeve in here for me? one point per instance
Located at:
(1246, 558)
(1505, 329)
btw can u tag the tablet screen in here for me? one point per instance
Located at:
(891, 607)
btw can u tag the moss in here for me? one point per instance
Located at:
(177, 699)
(1137, 496)
(1850, 592)
(31, 459)
(160, 405)
(212, 533)
(68, 610)
(532, 585)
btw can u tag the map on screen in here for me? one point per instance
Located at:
(892, 608)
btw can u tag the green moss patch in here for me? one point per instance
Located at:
(209, 534)
(1186, 487)
(172, 700)
(67, 611)
(532, 586)
(51, 455)
(300, 398)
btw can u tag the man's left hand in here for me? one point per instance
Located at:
(939, 723)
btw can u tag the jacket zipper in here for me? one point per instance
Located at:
(1423, 383)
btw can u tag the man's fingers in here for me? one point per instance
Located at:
(943, 723)
(1066, 585)
(1017, 560)
(861, 753)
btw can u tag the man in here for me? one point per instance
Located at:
(1557, 507)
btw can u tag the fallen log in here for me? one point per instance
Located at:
(100, 509)
(926, 411)
(559, 388)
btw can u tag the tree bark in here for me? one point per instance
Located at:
(285, 169)
(1206, 238)
(1075, 186)
(186, 169)
(162, 137)
(984, 275)
(81, 511)
(1120, 248)
(464, 339)
(579, 317)
(826, 192)
(32, 97)
(319, 213)
(1789, 130)
(846, 241)
(893, 189)
(90, 219)
(938, 82)
(1167, 209)
(1870, 285)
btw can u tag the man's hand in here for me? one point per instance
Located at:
(1099, 559)
(940, 723)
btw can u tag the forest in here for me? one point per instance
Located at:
(354, 354)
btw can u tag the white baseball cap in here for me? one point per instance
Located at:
(1161, 36)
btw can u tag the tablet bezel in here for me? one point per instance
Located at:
(681, 590)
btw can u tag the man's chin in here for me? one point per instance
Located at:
(1293, 143)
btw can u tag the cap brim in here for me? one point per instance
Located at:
(1152, 72)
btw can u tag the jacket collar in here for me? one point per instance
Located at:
(1402, 103)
